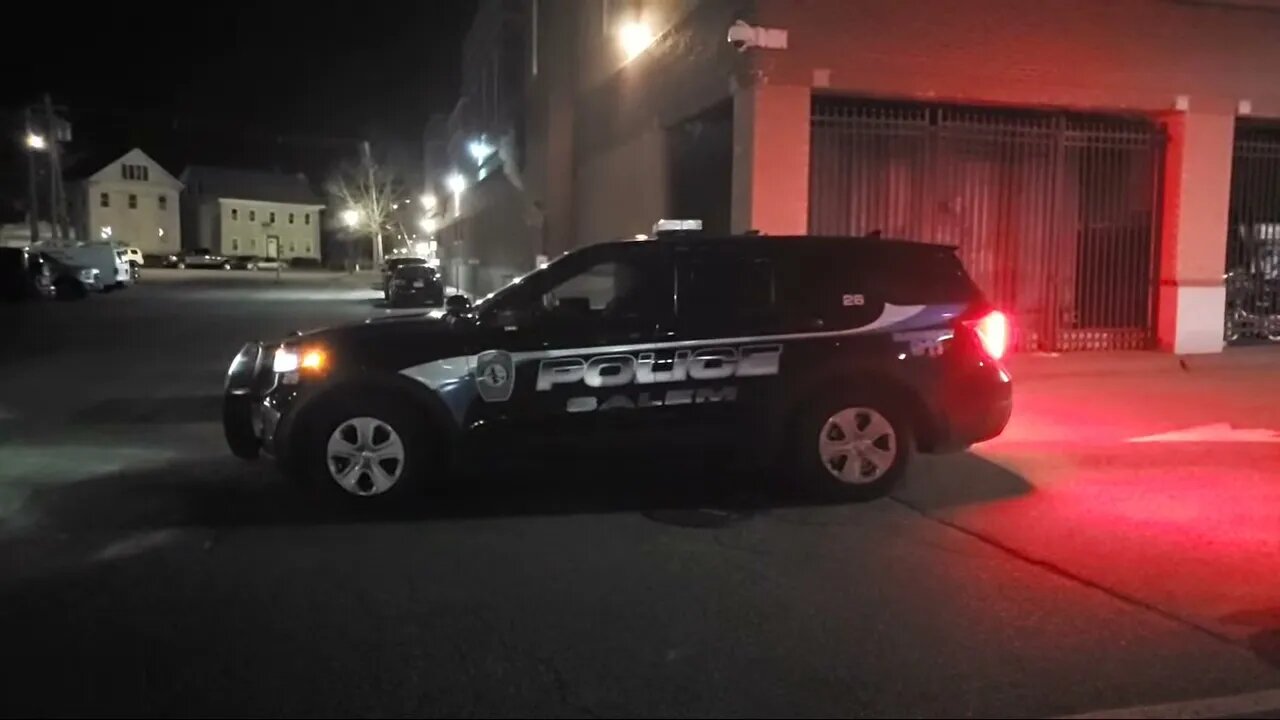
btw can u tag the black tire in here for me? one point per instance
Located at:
(237, 426)
(820, 479)
(68, 289)
(180, 265)
(226, 266)
(311, 463)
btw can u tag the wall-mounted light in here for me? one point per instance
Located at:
(350, 217)
(634, 37)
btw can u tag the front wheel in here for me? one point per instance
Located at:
(853, 447)
(365, 448)
(181, 265)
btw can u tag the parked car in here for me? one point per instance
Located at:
(21, 275)
(69, 282)
(134, 256)
(834, 359)
(254, 262)
(416, 285)
(390, 265)
(198, 258)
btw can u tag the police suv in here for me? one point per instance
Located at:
(838, 356)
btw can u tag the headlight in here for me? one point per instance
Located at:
(308, 360)
(286, 360)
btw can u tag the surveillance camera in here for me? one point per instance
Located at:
(741, 36)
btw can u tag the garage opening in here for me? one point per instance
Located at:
(1054, 214)
(1253, 236)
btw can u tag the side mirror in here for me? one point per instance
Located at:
(456, 304)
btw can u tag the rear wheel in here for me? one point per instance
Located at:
(853, 447)
(366, 448)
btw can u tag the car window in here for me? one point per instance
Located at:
(617, 293)
(726, 292)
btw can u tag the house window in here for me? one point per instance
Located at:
(104, 200)
(253, 243)
(253, 216)
(235, 214)
(307, 248)
(133, 201)
(164, 202)
(134, 172)
(272, 217)
(290, 218)
(235, 244)
(306, 218)
(292, 249)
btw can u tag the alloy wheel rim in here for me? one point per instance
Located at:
(857, 445)
(365, 456)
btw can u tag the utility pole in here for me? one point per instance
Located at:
(375, 205)
(33, 200)
(55, 170)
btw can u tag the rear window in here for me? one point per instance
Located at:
(416, 271)
(922, 275)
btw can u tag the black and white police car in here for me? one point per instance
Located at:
(840, 356)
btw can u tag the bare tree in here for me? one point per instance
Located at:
(365, 194)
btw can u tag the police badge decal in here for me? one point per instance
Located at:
(495, 375)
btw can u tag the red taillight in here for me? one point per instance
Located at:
(992, 330)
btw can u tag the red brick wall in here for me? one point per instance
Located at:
(1105, 54)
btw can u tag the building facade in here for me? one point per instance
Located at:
(132, 202)
(487, 231)
(1086, 157)
(247, 212)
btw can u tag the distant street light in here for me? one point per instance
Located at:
(428, 201)
(351, 217)
(36, 141)
(635, 37)
(428, 223)
(456, 183)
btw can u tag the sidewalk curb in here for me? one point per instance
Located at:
(1045, 366)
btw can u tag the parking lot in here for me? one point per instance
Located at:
(1118, 547)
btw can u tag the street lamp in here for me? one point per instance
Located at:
(427, 223)
(351, 217)
(634, 37)
(456, 183)
(480, 149)
(428, 201)
(36, 141)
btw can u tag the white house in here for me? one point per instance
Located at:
(249, 212)
(131, 202)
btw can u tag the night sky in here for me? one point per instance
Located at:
(273, 84)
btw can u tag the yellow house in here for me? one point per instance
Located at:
(131, 202)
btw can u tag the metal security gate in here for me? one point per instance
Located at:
(1253, 236)
(1054, 214)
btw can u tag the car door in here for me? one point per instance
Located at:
(568, 337)
(729, 328)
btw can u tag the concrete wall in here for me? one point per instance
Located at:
(1106, 54)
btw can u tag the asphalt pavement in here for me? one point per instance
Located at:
(1117, 549)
